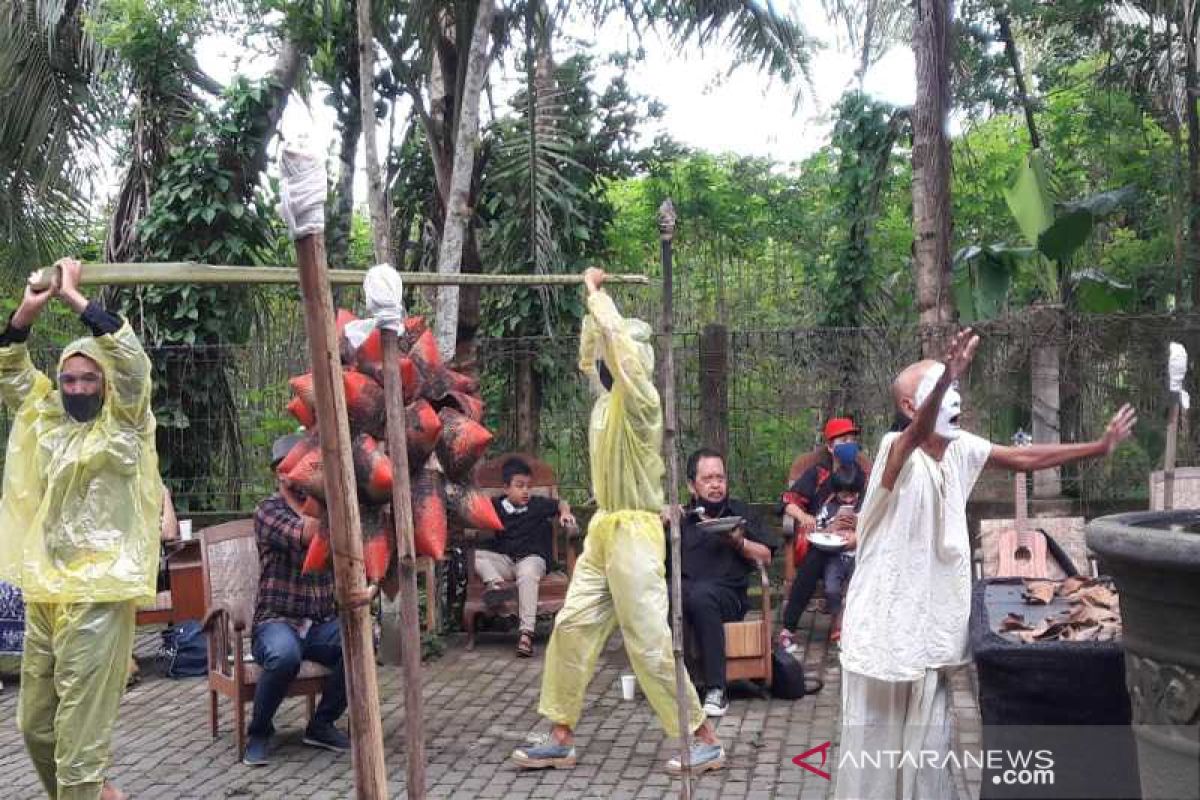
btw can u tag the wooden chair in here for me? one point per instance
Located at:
(799, 466)
(552, 589)
(747, 643)
(229, 563)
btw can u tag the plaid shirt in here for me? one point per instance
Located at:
(283, 593)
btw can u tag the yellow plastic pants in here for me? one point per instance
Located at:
(72, 678)
(619, 580)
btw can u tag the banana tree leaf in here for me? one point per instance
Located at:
(1097, 293)
(1076, 219)
(1030, 199)
(1066, 235)
(982, 278)
(1103, 203)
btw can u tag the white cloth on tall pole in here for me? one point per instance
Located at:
(384, 293)
(1177, 362)
(302, 191)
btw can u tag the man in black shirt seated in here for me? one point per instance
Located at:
(715, 568)
(522, 551)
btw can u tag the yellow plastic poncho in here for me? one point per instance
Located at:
(621, 577)
(625, 432)
(79, 515)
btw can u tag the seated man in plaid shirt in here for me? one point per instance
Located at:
(294, 621)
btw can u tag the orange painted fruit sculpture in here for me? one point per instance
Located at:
(445, 436)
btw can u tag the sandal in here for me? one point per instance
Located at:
(525, 645)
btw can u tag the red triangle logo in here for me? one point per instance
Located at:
(823, 749)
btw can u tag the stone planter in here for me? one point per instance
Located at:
(1154, 557)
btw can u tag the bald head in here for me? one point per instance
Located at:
(904, 387)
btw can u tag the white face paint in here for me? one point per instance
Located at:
(947, 418)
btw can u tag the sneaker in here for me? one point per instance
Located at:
(704, 757)
(715, 704)
(495, 596)
(324, 734)
(787, 641)
(256, 752)
(543, 756)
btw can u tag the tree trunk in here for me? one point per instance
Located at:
(458, 211)
(381, 232)
(341, 214)
(1014, 61)
(527, 399)
(931, 172)
(1193, 126)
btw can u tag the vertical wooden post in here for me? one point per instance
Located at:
(345, 529)
(526, 400)
(666, 227)
(1169, 459)
(714, 388)
(410, 632)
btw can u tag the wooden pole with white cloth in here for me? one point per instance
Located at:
(1176, 369)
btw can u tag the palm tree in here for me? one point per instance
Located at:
(52, 112)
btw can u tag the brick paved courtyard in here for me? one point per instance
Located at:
(479, 706)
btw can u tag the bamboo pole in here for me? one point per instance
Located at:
(345, 528)
(189, 272)
(666, 227)
(410, 633)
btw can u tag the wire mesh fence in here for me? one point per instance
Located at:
(779, 386)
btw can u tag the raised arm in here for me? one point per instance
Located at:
(1046, 456)
(958, 358)
(630, 374)
(18, 377)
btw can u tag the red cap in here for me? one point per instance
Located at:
(839, 426)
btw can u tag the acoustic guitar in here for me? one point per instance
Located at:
(1022, 549)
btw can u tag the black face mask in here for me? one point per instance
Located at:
(606, 378)
(711, 509)
(82, 407)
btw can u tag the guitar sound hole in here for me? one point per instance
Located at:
(1023, 554)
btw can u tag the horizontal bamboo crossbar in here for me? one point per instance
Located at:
(96, 274)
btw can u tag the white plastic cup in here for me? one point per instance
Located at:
(628, 686)
(185, 530)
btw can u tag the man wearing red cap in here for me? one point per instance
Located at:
(802, 501)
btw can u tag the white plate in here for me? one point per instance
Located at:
(720, 525)
(830, 542)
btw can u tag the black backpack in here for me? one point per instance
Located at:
(185, 651)
(787, 676)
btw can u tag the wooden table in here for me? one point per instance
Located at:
(187, 586)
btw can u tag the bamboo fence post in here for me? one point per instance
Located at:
(410, 634)
(345, 529)
(666, 228)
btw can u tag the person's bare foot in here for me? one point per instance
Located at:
(563, 735)
(707, 733)
(110, 792)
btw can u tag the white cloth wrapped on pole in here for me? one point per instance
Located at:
(1177, 361)
(384, 293)
(303, 191)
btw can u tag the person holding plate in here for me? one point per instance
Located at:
(716, 558)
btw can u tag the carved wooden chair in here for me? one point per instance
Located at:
(229, 559)
(552, 589)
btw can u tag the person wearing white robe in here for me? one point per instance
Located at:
(908, 606)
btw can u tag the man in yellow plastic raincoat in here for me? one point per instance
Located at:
(621, 577)
(79, 527)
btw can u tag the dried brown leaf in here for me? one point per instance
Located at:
(1038, 593)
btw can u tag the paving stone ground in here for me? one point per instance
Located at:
(480, 705)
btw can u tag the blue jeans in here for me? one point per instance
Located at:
(278, 650)
(838, 569)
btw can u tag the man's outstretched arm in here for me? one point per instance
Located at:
(1045, 456)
